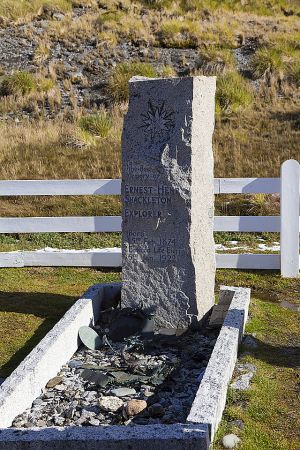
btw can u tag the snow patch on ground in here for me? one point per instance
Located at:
(273, 248)
(65, 250)
(230, 245)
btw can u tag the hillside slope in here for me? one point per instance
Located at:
(60, 63)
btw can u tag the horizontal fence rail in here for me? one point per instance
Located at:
(287, 185)
(11, 188)
(14, 188)
(111, 257)
(97, 224)
(100, 224)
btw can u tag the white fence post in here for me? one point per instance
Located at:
(289, 218)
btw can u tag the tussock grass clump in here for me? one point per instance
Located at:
(214, 61)
(116, 26)
(118, 81)
(98, 124)
(266, 59)
(107, 19)
(280, 57)
(158, 4)
(167, 72)
(176, 33)
(42, 51)
(14, 9)
(18, 83)
(233, 93)
(295, 74)
(69, 29)
(219, 35)
(259, 7)
(23, 91)
(23, 83)
(191, 32)
(45, 84)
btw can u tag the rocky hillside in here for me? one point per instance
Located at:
(64, 67)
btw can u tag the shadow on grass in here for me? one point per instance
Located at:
(49, 307)
(282, 356)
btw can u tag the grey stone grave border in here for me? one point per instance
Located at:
(56, 348)
(209, 403)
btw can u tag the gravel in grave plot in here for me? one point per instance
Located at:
(137, 381)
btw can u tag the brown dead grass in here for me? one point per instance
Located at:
(57, 150)
(256, 141)
(253, 141)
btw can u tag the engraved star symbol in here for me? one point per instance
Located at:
(158, 121)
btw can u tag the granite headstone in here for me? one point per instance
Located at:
(168, 199)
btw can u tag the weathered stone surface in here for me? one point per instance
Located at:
(220, 310)
(123, 392)
(243, 382)
(210, 399)
(160, 437)
(134, 407)
(54, 382)
(167, 189)
(156, 410)
(230, 440)
(110, 403)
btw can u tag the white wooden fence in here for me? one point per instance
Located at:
(288, 185)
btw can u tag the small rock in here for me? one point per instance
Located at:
(18, 424)
(41, 423)
(82, 420)
(248, 341)
(96, 377)
(148, 394)
(75, 364)
(60, 387)
(134, 407)
(44, 24)
(123, 392)
(230, 440)
(58, 16)
(49, 395)
(94, 421)
(243, 382)
(110, 404)
(238, 423)
(37, 402)
(69, 414)
(89, 396)
(94, 409)
(59, 421)
(53, 382)
(247, 367)
(156, 410)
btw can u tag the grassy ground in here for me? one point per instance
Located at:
(270, 409)
(33, 300)
(257, 128)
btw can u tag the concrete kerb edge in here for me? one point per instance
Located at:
(209, 402)
(26, 382)
(143, 437)
(205, 414)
